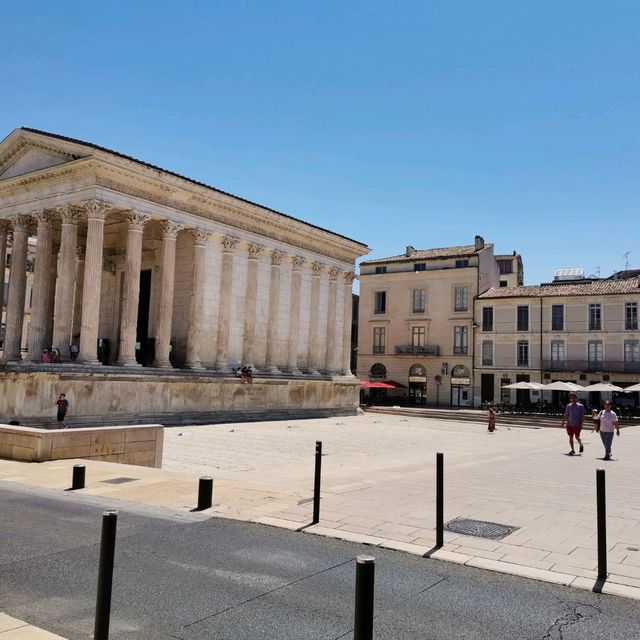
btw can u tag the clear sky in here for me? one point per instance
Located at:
(393, 123)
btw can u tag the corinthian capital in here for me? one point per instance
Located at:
(349, 277)
(333, 273)
(69, 214)
(229, 243)
(95, 209)
(254, 250)
(316, 268)
(200, 236)
(297, 262)
(170, 229)
(44, 217)
(136, 220)
(277, 256)
(21, 224)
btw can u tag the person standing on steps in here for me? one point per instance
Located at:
(574, 419)
(608, 423)
(63, 406)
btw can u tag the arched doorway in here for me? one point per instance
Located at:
(460, 386)
(418, 384)
(377, 373)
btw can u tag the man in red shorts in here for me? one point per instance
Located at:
(574, 418)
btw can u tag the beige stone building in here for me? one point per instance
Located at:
(165, 286)
(579, 331)
(416, 324)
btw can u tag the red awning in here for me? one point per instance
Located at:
(366, 384)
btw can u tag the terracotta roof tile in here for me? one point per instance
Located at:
(462, 251)
(588, 288)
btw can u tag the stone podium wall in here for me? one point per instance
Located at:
(132, 444)
(125, 398)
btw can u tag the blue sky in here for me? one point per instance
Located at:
(393, 123)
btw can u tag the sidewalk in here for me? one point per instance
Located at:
(378, 487)
(14, 629)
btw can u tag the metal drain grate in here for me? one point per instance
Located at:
(479, 528)
(119, 480)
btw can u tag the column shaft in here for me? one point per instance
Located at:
(330, 351)
(346, 325)
(63, 309)
(4, 230)
(131, 289)
(96, 213)
(314, 312)
(49, 315)
(76, 325)
(194, 332)
(273, 355)
(224, 320)
(248, 344)
(17, 289)
(294, 324)
(169, 231)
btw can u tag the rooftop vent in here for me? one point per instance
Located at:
(573, 273)
(410, 251)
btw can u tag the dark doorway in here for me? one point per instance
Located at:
(145, 349)
(487, 387)
(523, 396)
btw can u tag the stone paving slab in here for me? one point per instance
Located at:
(378, 487)
(14, 629)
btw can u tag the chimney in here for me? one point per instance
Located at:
(410, 251)
(479, 243)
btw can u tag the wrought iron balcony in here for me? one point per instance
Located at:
(410, 350)
(618, 366)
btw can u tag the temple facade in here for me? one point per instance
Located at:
(140, 274)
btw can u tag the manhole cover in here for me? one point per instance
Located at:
(480, 528)
(119, 480)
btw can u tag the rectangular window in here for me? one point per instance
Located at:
(417, 337)
(460, 340)
(381, 269)
(418, 303)
(420, 266)
(523, 318)
(631, 316)
(487, 353)
(379, 339)
(380, 302)
(557, 350)
(632, 350)
(557, 317)
(461, 299)
(595, 350)
(461, 264)
(595, 317)
(505, 266)
(504, 283)
(487, 318)
(523, 353)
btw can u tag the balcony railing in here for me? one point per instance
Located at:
(410, 350)
(618, 366)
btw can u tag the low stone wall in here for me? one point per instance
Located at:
(134, 444)
(129, 398)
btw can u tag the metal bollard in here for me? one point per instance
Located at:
(316, 483)
(439, 499)
(105, 575)
(363, 620)
(602, 524)
(205, 493)
(78, 478)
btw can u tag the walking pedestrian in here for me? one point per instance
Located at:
(608, 423)
(63, 406)
(492, 420)
(574, 419)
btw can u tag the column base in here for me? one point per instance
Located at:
(224, 367)
(130, 364)
(162, 364)
(273, 369)
(294, 371)
(89, 361)
(194, 366)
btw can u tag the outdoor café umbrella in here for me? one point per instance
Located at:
(562, 386)
(602, 386)
(632, 388)
(519, 385)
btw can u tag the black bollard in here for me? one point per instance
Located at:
(316, 483)
(602, 524)
(439, 499)
(363, 620)
(105, 575)
(205, 493)
(78, 478)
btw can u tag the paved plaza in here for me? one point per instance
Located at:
(378, 486)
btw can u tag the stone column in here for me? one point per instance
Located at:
(96, 212)
(224, 320)
(17, 289)
(41, 285)
(330, 351)
(63, 309)
(48, 336)
(194, 331)
(346, 325)
(294, 325)
(131, 289)
(77, 299)
(273, 354)
(314, 313)
(4, 230)
(169, 233)
(248, 343)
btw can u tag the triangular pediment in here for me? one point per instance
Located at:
(22, 153)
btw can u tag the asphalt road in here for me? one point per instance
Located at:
(181, 576)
